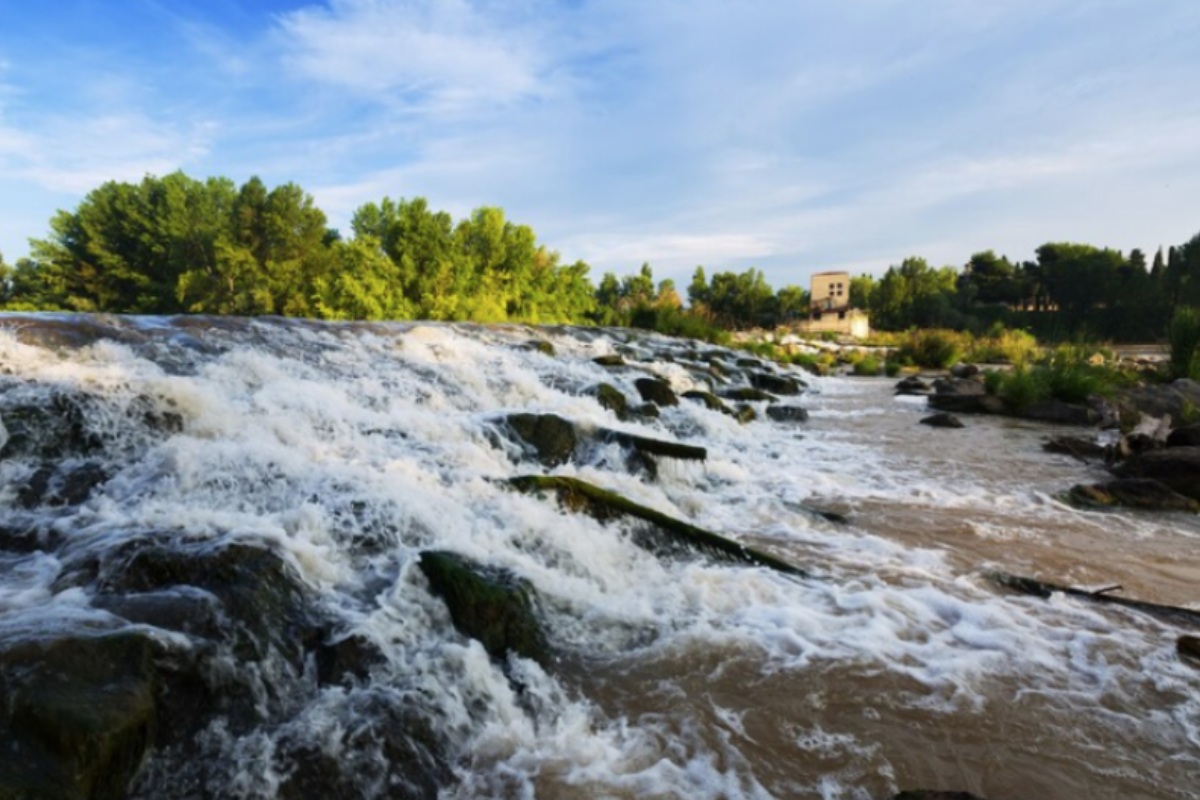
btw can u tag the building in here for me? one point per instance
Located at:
(830, 310)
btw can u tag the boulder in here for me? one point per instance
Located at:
(710, 401)
(551, 438)
(488, 604)
(958, 386)
(787, 413)
(611, 360)
(961, 370)
(1177, 467)
(913, 385)
(1080, 447)
(656, 391)
(1142, 493)
(79, 709)
(1176, 399)
(967, 403)
(66, 484)
(775, 384)
(608, 396)
(1187, 436)
(943, 420)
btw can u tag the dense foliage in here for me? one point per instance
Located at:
(179, 245)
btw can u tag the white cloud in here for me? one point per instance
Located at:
(447, 54)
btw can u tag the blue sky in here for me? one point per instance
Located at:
(794, 136)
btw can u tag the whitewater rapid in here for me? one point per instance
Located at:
(352, 448)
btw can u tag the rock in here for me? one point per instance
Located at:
(1187, 436)
(1080, 447)
(967, 403)
(541, 346)
(608, 396)
(663, 534)
(62, 485)
(1142, 493)
(921, 794)
(1188, 648)
(787, 413)
(653, 447)
(1177, 467)
(1060, 413)
(752, 363)
(748, 394)
(49, 427)
(1176, 399)
(958, 386)
(710, 401)
(612, 360)
(644, 411)
(1150, 433)
(182, 609)
(552, 438)
(347, 659)
(943, 420)
(656, 391)
(913, 385)
(490, 605)
(961, 370)
(80, 712)
(745, 413)
(775, 384)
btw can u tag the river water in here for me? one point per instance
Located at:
(896, 665)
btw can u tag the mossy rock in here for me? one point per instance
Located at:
(748, 394)
(611, 360)
(775, 384)
(490, 605)
(551, 437)
(81, 712)
(611, 398)
(654, 390)
(541, 346)
(646, 411)
(654, 447)
(710, 401)
(662, 533)
(745, 413)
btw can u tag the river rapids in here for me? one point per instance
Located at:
(351, 449)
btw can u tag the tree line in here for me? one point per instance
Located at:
(175, 245)
(1070, 291)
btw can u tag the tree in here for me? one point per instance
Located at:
(914, 295)
(861, 290)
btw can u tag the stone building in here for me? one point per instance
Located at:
(831, 311)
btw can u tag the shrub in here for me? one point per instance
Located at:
(868, 365)
(1004, 347)
(933, 349)
(1183, 336)
(891, 368)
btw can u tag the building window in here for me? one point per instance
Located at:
(841, 315)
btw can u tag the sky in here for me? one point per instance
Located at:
(794, 136)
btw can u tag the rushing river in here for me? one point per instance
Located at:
(896, 664)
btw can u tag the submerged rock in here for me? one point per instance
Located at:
(612, 360)
(663, 533)
(1141, 493)
(787, 413)
(1080, 447)
(747, 394)
(710, 401)
(943, 420)
(490, 605)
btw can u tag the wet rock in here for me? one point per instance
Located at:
(608, 396)
(80, 712)
(1187, 436)
(745, 413)
(1141, 493)
(787, 413)
(541, 346)
(488, 604)
(1082, 448)
(552, 438)
(611, 360)
(1188, 648)
(183, 610)
(659, 532)
(1175, 399)
(1061, 413)
(775, 384)
(746, 394)
(752, 363)
(710, 400)
(943, 420)
(48, 427)
(347, 659)
(961, 370)
(659, 392)
(913, 385)
(961, 387)
(1177, 467)
(653, 447)
(18, 537)
(646, 411)
(967, 403)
